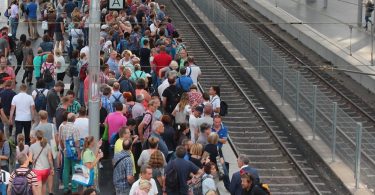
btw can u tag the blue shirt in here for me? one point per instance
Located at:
(106, 103)
(32, 7)
(116, 95)
(184, 82)
(162, 146)
(223, 133)
(123, 169)
(113, 66)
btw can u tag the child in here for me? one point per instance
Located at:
(21, 147)
(144, 187)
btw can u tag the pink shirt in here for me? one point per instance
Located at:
(115, 121)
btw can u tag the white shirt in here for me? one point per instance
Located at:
(60, 60)
(23, 103)
(196, 71)
(86, 51)
(215, 101)
(162, 87)
(193, 126)
(83, 126)
(153, 190)
(13, 11)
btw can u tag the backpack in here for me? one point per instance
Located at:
(47, 75)
(6, 13)
(18, 52)
(138, 121)
(40, 100)
(122, 46)
(20, 184)
(83, 72)
(70, 147)
(223, 108)
(265, 187)
(172, 181)
(117, 100)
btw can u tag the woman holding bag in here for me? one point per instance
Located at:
(91, 155)
(40, 154)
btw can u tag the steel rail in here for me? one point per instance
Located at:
(284, 148)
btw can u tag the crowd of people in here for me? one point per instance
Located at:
(163, 134)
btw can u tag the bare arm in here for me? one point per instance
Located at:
(11, 113)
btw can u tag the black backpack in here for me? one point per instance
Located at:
(223, 108)
(40, 100)
(172, 181)
(138, 121)
(47, 75)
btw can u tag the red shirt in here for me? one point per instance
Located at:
(162, 60)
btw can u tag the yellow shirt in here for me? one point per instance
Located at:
(118, 148)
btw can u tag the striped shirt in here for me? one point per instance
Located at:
(74, 108)
(31, 177)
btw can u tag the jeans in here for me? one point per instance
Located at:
(86, 36)
(25, 126)
(81, 95)
(69, 168)
(14, 26)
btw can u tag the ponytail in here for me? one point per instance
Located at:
(43, 142)
(88, 141)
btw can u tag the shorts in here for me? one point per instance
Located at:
(59, 36)
(42, 175)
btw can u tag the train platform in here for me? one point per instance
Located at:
(327, 31)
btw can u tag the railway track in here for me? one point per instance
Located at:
(350, 103)
(282, 161)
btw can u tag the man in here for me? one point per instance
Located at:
(205, 131)
(53, 99)
(184, 170)
(69, 7)
(82, 123)
(249, 187)
(146, 174)
(193, 123)
(74, 104)
(126, 84)
(68, 131)
(243, 164)
(162, 59)
(4, 44)
(14, 18)
(113, 65)
(157, 130)
(60, 111)
(116, 94)
(32, 180)
(184, 82)
(193, 70)
(103, 74)
(6, 97)
(106, 103)
(32, 14)
(206, 117)
(144, 128)
(123, 169)
(138, 108)
(23, 107)
(221, 130)
(171, 96)
(161, 13)
(59, 31)
(115, 121)
(165, 83)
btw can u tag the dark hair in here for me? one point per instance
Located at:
(75, 54)
(183, 71)
(71, 92)
(23, 38)
(204, 126)
(88, 141)
(131, 122)
(206, 96)
(106, 91)
(145, 42)
(126, 35)
(207, 167)
(216, 89)
(65, 116)
(82, 111)
(40, 84)
(46, 38)
(153, 142)
(166, 119)
(161, 32)
(40, 137)
(171, 80)
(104, 66)
(126, 144)
(119, 106)
(180, 151)
(141, 84)
(89, 191)
(28, 43)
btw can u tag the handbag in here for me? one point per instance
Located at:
(82, 175)
(36, 159)
(44, 25)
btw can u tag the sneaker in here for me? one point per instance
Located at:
(61, 186)
(100, 165)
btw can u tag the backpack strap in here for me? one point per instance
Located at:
(114, 167)
(118, 98)
(34, 162)
(189, 71)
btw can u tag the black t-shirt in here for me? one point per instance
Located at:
(173, 95)
(184, 168)
(168, 136)
(197, 162)
(6, 97)
(59, 21)
(212, 150)
(59, 116)
(144, 55)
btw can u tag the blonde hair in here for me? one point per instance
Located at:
(40, 137)
(213, 138)
(156, 160)
(43, 115)
(196, 149)
(58, 52)
(183, 102)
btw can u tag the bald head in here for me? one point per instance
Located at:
(71, 117)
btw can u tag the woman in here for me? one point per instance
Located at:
(211, 147)
(41, 155)
(146, 154)
(75, 34)
(46, 44)
(21, 147)
(126, 61)
(140, 90)
(196, 152)
(28, 57)
(51, 19)
(18, 52)
(74, 71)
(60, 65)
(76, 15)
(48, 71)
(169, 133)
(182, 58)
(215, 99)
(4, 152)
(138, 73)
(38, 61)
(182, 110)
(91, 154)
(208, 182)
(157, 164)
